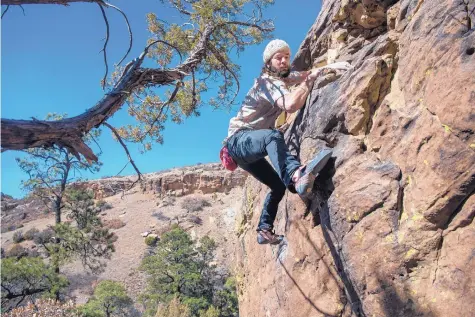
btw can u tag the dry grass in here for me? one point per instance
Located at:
(103, 205)
(44, 308)
(192, 204)
(30, 234)
(18, 237)
(164, 229)
(18, 251)
(115, 223)
(160, 216)
(195, 219)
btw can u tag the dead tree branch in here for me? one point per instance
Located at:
(223, 62)
(22, 134)
(3, 13)
(101, 5)
(128, 27)
(117, 135)
(105, 45)
(69, 133)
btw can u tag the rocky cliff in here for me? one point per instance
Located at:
(202, 178)
(176, 182)
(388, 230)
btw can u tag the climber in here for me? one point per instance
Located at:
(252, 135)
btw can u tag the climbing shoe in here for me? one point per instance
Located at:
(304, 184)
(268, 237)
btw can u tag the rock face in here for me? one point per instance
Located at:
(388, 229)
(204, 178)
(17, 211)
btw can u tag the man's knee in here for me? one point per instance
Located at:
(274, 135)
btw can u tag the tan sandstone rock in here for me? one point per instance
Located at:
(388, 230)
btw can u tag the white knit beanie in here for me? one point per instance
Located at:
(273, 47)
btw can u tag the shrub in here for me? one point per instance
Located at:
(33, 253)
(195, 219)
(210, 312)
(113, 238)
(226, 299)
(192, 204)
(160, 216)
(103, 205)
(115, 223)
(164, 229)
(11, 228)
(18, 237)
(44, 236)
(30, 275)
(17, 251)
(30, 234)
(82, 209)
(151, 241)
(173, 309)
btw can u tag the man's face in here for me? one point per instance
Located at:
(280, 62)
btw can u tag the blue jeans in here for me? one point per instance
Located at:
(249, 149)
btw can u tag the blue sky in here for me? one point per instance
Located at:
(51, 63)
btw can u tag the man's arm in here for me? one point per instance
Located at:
(296, 77)
(296, 99)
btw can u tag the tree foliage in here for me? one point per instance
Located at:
(226, 299)
(173, 309)
(110, 299)
(210, 312)
(27, 278)
(72, 243)
(233, 28)
(50, 171)
(180, 268)
(193, 56)
(82, 209)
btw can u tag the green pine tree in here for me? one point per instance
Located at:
(110, 299)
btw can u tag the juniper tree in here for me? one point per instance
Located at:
(80, 208)
(191, 56)
(110, 299)
(180, 268)
(28, 278)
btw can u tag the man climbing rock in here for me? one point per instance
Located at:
(252, 135)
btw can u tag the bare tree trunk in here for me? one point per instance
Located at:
(57, 213)
(57, 210)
